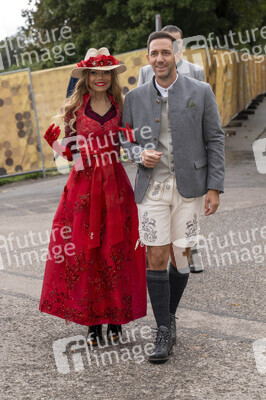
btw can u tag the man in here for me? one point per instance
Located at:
(186, 68)
(183, 67)
(179, 148)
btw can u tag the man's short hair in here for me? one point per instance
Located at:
(172, 29)
(159, 35)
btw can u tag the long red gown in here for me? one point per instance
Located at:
(93, 273)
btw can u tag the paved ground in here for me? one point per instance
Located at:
(221, 316)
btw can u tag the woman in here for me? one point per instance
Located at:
(93, 273)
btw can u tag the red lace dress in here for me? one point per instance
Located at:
(93, 273)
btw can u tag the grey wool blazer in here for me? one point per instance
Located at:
(197, 136)
(183, 67)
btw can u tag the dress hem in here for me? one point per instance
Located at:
(99, 322)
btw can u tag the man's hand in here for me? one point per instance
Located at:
(211, 202)
(150, 158)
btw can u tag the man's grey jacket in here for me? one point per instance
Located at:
(183, 67)
(197, 136)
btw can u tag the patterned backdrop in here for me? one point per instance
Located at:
(234, 83)
(19, 150)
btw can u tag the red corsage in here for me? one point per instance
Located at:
(129, 133)
(99, 61)
(66, 152)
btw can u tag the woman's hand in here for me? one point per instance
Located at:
(52, 134)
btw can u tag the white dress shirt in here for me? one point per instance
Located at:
(164, 91)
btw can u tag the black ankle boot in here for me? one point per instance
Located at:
(114, 332)
(162, 346)
(94, 335)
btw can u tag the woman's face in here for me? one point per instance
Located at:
(99, 81)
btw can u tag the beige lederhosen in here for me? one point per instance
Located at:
(167, 217)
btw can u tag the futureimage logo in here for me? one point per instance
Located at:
(101, 151)
(14, 49)
(21, 251)
(234, 247)
(73, 353)
(231, 44)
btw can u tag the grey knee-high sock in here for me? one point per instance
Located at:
(159, 291)
(177, 283)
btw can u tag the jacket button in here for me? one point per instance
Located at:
(157, 120)
(172, 169)
(157, 101)
(155, 139)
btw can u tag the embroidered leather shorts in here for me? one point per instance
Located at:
(167, 217)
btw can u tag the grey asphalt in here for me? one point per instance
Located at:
(220, 320)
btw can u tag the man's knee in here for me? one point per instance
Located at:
(158, 257)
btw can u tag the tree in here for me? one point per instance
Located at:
(124, 25)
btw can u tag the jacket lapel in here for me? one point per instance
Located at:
(178, 97)
(155, 107)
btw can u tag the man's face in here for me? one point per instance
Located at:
(162, 59)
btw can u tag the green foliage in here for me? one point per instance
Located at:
(124, 25)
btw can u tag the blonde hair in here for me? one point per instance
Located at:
(67, 113)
